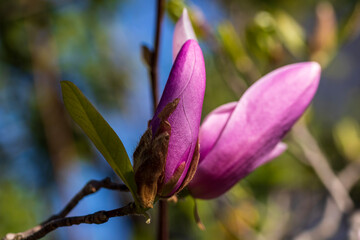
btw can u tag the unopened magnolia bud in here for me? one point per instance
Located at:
(168, 153)
(167, 156)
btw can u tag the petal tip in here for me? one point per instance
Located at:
(182, 32)
(191, 43)
(310, 72)
(189, 46)
(313, 67)
(282, 146)
(315, 72)
(185, 13)
(316, 68)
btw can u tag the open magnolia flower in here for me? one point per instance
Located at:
(168, 153)
(238, 137)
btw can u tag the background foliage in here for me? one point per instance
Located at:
(45, 158)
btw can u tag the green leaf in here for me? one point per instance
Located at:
(100, 133)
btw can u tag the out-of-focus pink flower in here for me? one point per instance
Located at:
(238, 137)
(183, 32)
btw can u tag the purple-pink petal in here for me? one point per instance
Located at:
(183, 32)
(212, 126)
(264, 114)
(274, 153)
(186, 82)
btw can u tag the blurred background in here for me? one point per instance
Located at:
(310, 192)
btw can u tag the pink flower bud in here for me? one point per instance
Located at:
(238, 137)
(187, 83)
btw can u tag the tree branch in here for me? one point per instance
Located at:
(91, 187)
(59, 220)
(95, 218)
(332, 216)
(322, 168)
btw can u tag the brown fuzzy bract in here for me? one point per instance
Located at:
(150, 158)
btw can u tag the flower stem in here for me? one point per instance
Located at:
(163, 230)
(154, 75)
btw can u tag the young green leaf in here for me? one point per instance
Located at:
(100, 133)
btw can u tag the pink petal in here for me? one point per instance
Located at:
(274, 153)
(183, 32)
(187, 82)
(212, 126)
(264, 114)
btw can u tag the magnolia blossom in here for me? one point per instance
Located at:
(240, 136)
(187, 83)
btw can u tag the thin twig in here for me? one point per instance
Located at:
(321, 166)
(58, 220)
(95, 218)
(332, 216)
(91, 187)
(154, 74)
(163, 230)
